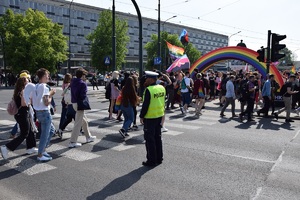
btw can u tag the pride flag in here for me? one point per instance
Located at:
(174, 51)
(179, 64)
(293, 70)
(184, 37)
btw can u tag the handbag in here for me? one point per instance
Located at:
(83, 104)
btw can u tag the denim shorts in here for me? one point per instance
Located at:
(186, 98)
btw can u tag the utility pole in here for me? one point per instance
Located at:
(158, 33)
(268, 61)
(113, 36)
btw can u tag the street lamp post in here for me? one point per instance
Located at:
(167, 20)
(4, 59)
(69, 59)
(158, 33)
(140, 40)
(113, 61)
(163, 28)
(228, 45)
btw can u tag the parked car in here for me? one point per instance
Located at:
(101, 80)
(89, 76)
(61, 76)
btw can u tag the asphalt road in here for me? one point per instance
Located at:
(206, 158)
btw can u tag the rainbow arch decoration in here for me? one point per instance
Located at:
(237, 53)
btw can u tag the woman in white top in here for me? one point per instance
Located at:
(115, 91)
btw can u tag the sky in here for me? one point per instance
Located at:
(252, 18)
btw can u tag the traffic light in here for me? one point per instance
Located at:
(261, 55)
(276, 47)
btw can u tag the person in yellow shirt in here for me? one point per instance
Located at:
(153, 110)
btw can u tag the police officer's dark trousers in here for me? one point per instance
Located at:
(152, 135)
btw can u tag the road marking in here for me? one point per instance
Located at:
(277, 161)
(74, 154)
(247, 158)
(27, 165)
(122, 147)
(5, 122)
(258, 191)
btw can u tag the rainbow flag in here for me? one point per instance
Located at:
(293, 70)
(174, 51)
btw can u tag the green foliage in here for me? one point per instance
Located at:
(287, 60)
(101, 41)
(192, 53)
(32, 41)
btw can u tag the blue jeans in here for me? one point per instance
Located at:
(14, 130)
(52, 131)
(128, 116)
(45, 120)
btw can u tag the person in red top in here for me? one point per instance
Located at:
(198, 94)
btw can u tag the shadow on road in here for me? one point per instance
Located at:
(119, 184)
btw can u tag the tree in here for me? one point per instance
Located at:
(287, 59)
(32, 41)
(192, 53)
(101, 41)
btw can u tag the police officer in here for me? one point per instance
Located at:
(151, 116)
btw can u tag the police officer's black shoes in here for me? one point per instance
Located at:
(149, 164)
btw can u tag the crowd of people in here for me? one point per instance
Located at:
(158, 92)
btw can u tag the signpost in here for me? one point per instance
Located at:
(106, 61)
(157, 60)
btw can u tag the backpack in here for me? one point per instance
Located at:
(12, 108)
(108, 91)
(223, 84)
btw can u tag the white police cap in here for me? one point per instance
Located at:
(150, 74)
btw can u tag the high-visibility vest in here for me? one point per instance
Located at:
(156, 108)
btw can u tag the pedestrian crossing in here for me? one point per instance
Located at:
(107, 134)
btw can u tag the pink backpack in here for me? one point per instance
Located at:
(12, 108)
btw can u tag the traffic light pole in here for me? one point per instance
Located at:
(268, 52)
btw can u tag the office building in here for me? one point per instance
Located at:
(79, 20)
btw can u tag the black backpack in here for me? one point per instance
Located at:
(108, 91)
(223, 84)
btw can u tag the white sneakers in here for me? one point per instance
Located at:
(4, 152)
(77, 144)
(164, 129)
(31, 151)
(44, 158)
(74, 144)
(90, 139)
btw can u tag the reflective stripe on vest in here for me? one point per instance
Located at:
(157, 102)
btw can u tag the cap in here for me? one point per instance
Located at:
(150, 74)
(24, 74)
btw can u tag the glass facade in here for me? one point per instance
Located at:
(79, 20)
